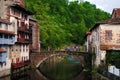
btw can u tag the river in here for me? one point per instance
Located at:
(55, 68)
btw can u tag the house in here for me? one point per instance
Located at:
(104, 36)
(7, 37)
(19, 17)
(35, 46)
(25, 31)
(87, 42)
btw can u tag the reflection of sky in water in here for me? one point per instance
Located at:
(70, 58)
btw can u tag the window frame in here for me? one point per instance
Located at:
(108, 34)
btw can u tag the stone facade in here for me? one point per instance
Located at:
(13, 12)
(35, 46)
(104, 36)
(7, 37)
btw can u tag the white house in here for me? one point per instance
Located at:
(104, 36)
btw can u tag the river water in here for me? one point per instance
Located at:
(55, 68)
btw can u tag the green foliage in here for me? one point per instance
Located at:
(62, 22)
(114, 58)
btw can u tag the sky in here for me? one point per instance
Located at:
(106, 5)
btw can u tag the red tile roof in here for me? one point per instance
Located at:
(7, 32)
(2, 50)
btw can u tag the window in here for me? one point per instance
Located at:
(0, 35)
(6, 26)
(108, 34)
(10, 37)
(0, 25)
(6, 36)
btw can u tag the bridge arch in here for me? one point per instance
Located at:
(82, 57)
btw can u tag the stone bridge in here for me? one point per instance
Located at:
(83, 57)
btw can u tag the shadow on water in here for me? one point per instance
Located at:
(21, 76)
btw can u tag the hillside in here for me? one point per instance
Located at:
(62, 22)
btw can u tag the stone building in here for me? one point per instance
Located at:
(26, 31)
(7, 37)
(35, 46)
(104, 36)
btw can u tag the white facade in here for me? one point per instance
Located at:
(19, 51)
(17, 15)
(114, 70)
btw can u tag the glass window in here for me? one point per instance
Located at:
(108, 34)
(0, 35)
(10, 36)
(6, 36)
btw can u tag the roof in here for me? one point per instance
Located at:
(110, 21)
(116, 13)
(33, 19)
(21, 8)
(107, 21)
(7, 32)
(2, 50)
(115, 19)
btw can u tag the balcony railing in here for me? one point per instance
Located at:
(6, 41)
(3, 57)
(23, 40)
(20, 64)
(23, 28)
(28, 40)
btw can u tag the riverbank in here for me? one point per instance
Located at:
(98, 76)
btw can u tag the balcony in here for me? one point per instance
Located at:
(3, 55)
(29, 30)
(7, 41)
(23, 29)
(20, 64)
(28, 41)
(20, 40)
(23, 40)
(7, 37)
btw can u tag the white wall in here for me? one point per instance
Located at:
(114, 70)
(13, 26)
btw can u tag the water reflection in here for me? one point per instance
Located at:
(61, 68)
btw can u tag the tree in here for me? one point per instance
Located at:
(62, 22)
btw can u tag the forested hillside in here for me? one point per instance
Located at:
(62, 22)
